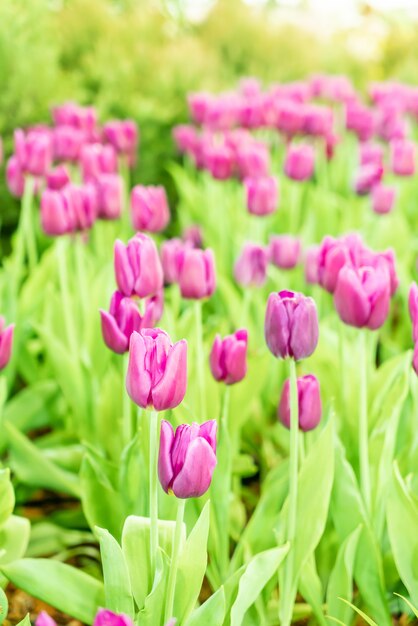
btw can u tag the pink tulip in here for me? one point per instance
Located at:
(185, 138)
(82, 205)
(415, 359)
(95, 160)
(219, 160)
(57, 217)
(149, 208)
(67, 143)
(170, 259)
(251, 267)
(228, 357)
(82, 118)
(262, 195)
(371, 154)
(253, 160)
(312, 265)
(291, 325)
(309, 403)
(14, 177)
(360, 120)
(196, 273)
(413, 310)
(193, 236)
(109, 196)
(33, 151)
(284, 251)
(383, 199)
(6, 342)
(138, 269)
(300, 162)
(402, 155)
(123, 136)
(104, 617)
(157, 370)
(187, 458)
(57, 178)
(44, 619)
(367, 178)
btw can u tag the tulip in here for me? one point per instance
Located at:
(72, 114)
(300, 162)
(228, 357)
(82, 205)
(253, 160)
(33, 151)
(309, 403)
(149, 208)
(95, 160)
(6, 342)
(333, 255)
(67, 143)
(360, 120)
(367, 178)
(120, 322)
(138, 269)
(371, 154)
(170, 255)
(109, 196)
(14, 177)
(198, 106)
(402, 157)
(123, 136)
(57, 217)
(251, 266)
(187, 458)
(362, 295)
(44, 619)
(104, 617)
(196, 273)
(413, 309)
(289, 117)
(57, 178)
(193, 236)
(383, 199)
(185, 138)
(311, 265)
(157, 370)
(291, 325)
(284, 251)
(220, 162)
(262, 195)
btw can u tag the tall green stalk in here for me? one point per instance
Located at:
(200, 361)
(363, 428)
(172, 577)
(153, 493)
(61, 248)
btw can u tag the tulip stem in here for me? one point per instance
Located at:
(363, 429)
(126, 404)
(341, 346)
(61, 252)
(171, 586)
(80, 263)
(288, 592)
(199, 361)
(153, 493)
(28, 226)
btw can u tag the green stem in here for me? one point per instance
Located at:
(226, 439)
(80, 263)
(126, 404)
(199, 361)
(288, 592)
(29, 226)
(363, 429)
(341, 350)
(61, 252)
(172, 577)
(246, 306)
(153, 493)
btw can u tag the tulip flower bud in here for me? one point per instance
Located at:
(34, 151)
(14, 177)
(157, 370)
(291, 325)
(300, 162)
(284, 251)
(383, 199)
(170, 255)
(57, 178)
(83, 118)
(67, 142)
(362, 295)
(149, 208)
(228, 357)
(57, 217)
(309, 403)
(219, 160)
(82, 205)
(413, 310)
(253, 160)
(6, 342)
(104, 617)
(262, 195)
(121, 321)
(251, 267)
(187, 458)
(109, 196)
(311, 265)
(333, 255)
(402, 156)
(123, 136)
(196, 272)
(95, 160)
(360, 120)
(289, 117)
(138, 269)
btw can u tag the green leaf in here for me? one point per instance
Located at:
(257, 574)
(210, 612)
(310, 587)
(361, 613)
(402, 518)
(117, 584)
(341, 579)
(153, 610)
(25, 621)
(409, 603)
(7, 496)
(4, 606)
(14, 539)
(34, 469)
(192, 567)
(64, 587)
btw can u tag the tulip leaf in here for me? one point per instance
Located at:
(409, 603)
(255, 577)
(192, 567)
(25, 621)
(310, 587)
(402, 518)
(4, 606)
(153, 610)
(212, 611)
(64, 587)
(7, 496)
(366, 618)
(341, 579)
(117, 584)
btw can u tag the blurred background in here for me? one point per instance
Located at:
(139, 58)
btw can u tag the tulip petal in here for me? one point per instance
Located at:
(6, 344)
(171, 388)
(138, 379)
(208, 431)
(112, 335)
(215, 359)
(195, 477)
(123, 271)
(165, 468)
(350, 299)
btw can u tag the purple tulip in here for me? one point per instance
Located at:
(187, 458)
(251, 266)
(96, 159)
(193, 236)
(402, 155)
(123, 136)
(228, 357)
(413, 309)
(300, 162)
(149, 208)
(253, 160)
(33, 151)
(262, 195)
(362, 295)
(383, 199)
(333, 255)
(309, 403)
(170, 259)
(138, 269)
(367, 178)
(196, 272)
(83, 118)
(284, 251)
(6, 342)
(291, 325)
(219, 160)
(109, 196)
(120, 322)
(67, 142)
(57, 178)
(157, 370)
(57, 217)
(81, 202)
(14, 177)
(312, 265)
(104, 617)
